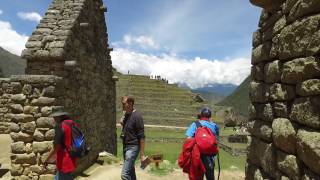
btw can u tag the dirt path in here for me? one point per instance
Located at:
(112, 172)
(5, 142)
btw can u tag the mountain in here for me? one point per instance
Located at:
(222, 89)
(239, 99)
(11, 64)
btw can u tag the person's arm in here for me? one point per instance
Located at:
(51, 154)
(142, 155)
(57, 142)
(190, 131)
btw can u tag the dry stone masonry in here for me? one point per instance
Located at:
(285, 92)
(68, 65)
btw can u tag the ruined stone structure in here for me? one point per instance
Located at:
(68, 65)
(285, 92)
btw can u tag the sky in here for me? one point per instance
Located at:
(194, 42)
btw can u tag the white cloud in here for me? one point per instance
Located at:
(145, 42)
(10, 39)
(195, 72)
(30, 16)
(1, 12)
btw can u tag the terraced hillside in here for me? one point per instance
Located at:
(160, 103)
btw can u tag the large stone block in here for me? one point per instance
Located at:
(21, 118)
(284, 135)
(300, 69)
(43, 101)
(38, 135)
(267, 4)
(258, 92)
(257, 72)
(256, 36)
(289, 164)
(303, 7)
(254, 173)
(24, 158)
(41, 147)
(295, 38)
(261, 129)
(50, 135)
(18, 98)
(272, 72)
(20, 136)
(280, 109)
(309, 175)
(308, 148)
(28, 127)
(16, 108)
(46, 111)
(261, 111)
(281, 92)
(279, 25)
(46, 177)
(261, 53)
(307, 111)
(45, 122)
(31, 110)
(262, 155)
(18, 147)
(16, 169)
(309, 87)
(14, 127)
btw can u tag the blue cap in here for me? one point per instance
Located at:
(206, 112)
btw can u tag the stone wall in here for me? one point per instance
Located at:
(285, 92)
(71, 44)
(29, 101)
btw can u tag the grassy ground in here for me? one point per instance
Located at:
(172, 150)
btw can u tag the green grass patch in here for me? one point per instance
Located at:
(171, 151)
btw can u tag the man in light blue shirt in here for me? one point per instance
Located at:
(204, 120)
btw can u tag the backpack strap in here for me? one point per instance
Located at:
(198, 124)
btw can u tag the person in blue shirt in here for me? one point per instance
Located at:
(204, 120)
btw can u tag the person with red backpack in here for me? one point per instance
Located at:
(202, 136)
(62, 144)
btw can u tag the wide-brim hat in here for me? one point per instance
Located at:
(59, 113)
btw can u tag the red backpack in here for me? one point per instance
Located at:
(205, 140)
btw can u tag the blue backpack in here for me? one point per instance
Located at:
(79, 147)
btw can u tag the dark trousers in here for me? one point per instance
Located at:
(208, 162)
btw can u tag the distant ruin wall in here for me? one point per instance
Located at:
(285, 92)
(70, 44)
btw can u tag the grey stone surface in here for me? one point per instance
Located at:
(306, 111)
(261, 53)
(272, 72)
(295, 38)
(262, 155)
(261, 129)
(261, 111)
(308, 148)
(281, 92)
(309, 87)
(289, 164)
(300, 69)
(280, 109)
(258, 93)
(286, 94)
(284, 135)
